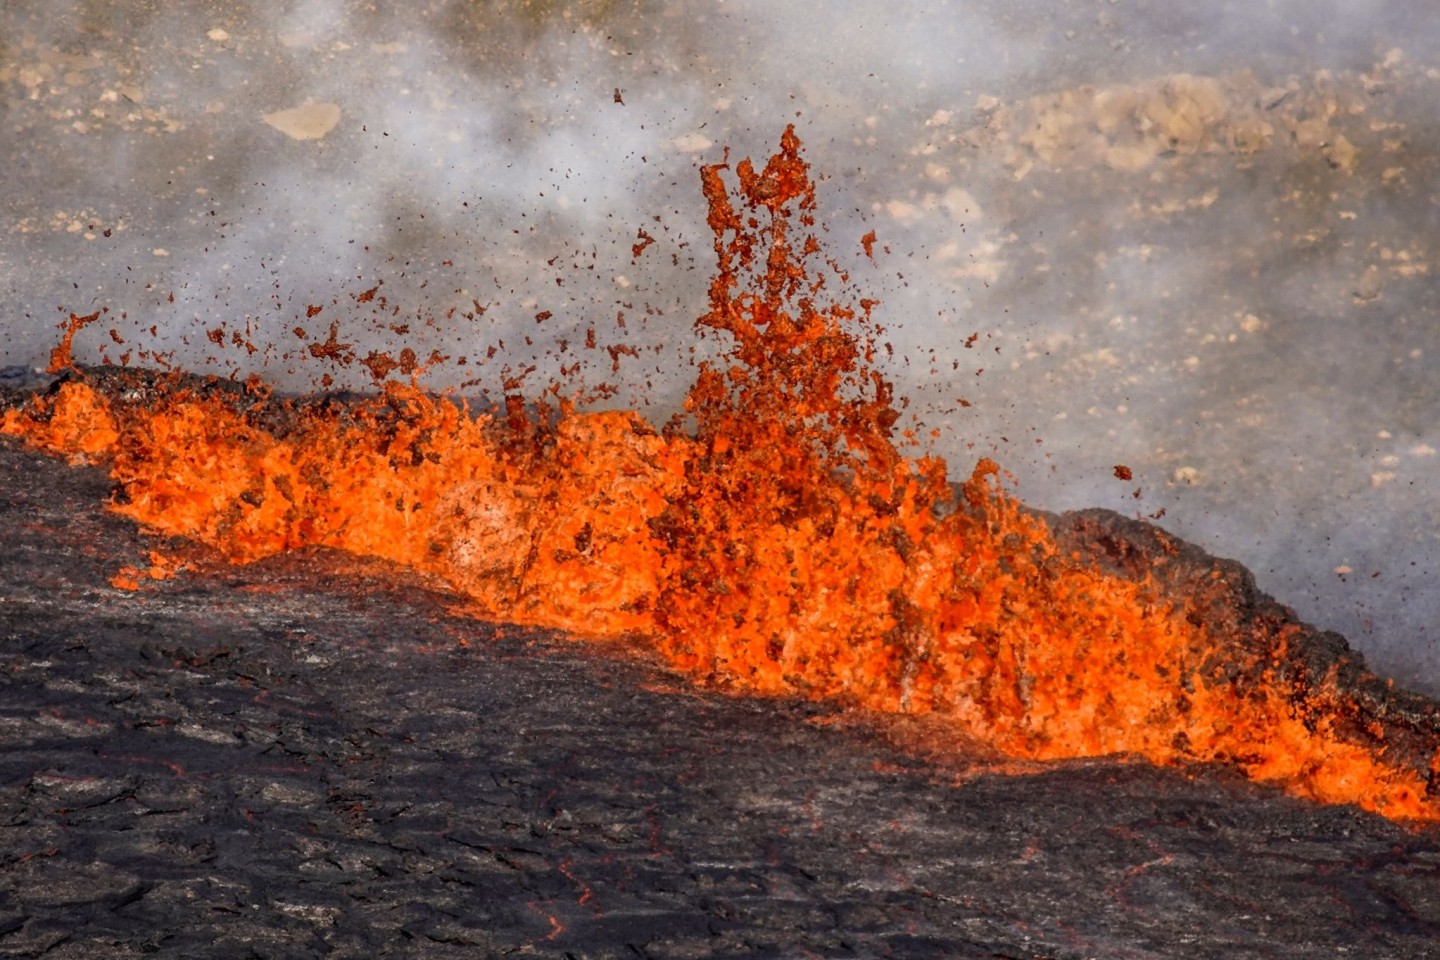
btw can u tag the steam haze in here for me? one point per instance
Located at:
(1195, 240)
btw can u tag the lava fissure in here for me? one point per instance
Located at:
(774, 540)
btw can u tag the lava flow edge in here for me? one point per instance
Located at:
(773, 538)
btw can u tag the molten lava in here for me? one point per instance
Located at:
(772, 539)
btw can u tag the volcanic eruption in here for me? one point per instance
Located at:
(775, 537)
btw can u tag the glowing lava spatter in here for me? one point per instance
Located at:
(773, 540)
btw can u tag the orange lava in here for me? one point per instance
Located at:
(60, 356)
(772, 539)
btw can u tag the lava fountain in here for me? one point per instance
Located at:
(774, 538)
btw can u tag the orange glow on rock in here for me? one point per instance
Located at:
(772, 539)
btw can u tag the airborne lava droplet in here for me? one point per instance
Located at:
(645, 241)
(771, 539)
(61, 357)
(332, 349)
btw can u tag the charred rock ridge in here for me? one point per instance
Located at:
(1323, 674)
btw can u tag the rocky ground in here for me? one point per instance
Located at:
(307, 758)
